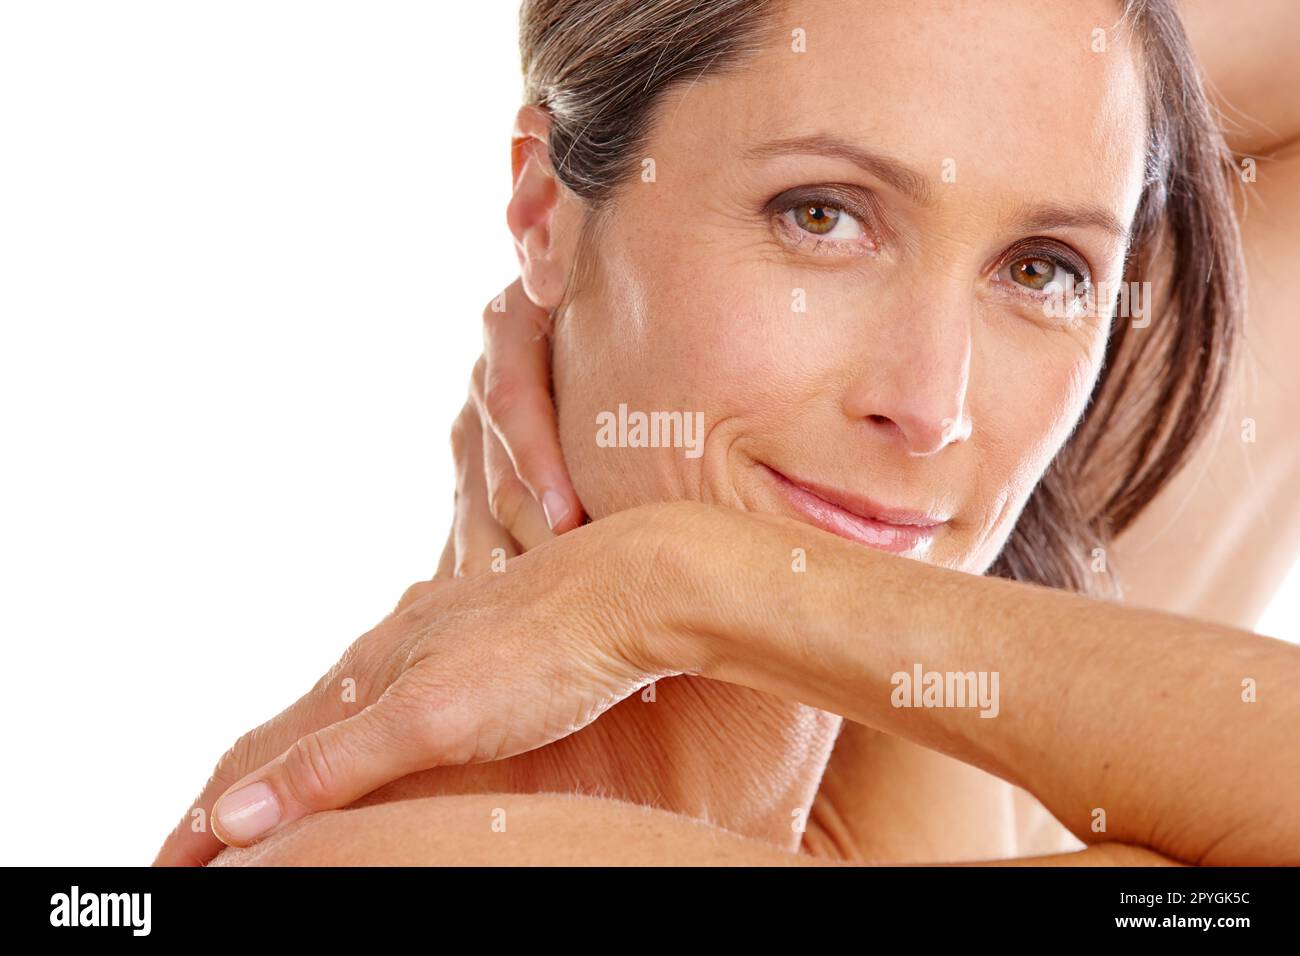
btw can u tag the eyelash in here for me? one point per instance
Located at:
(1057, 256)
(780, 208)
(828, 197)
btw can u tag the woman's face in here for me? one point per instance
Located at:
(839, 260)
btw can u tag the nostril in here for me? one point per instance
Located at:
(879, 419)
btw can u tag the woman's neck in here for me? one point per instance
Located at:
(745, 761)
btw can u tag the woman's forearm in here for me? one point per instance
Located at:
(1130, 725)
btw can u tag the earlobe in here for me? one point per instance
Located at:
(533, 210)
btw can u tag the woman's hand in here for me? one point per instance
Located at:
(513, 491)
(463, 671)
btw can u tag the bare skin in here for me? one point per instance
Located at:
(1215, 544)
(1206, 546)
(895, 820)
(1105, 742)
(554, 830)
(1220, 539)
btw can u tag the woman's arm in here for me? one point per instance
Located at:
(548, 830)
(1220, 537)
(1173, 734)
(1246, 52)
(1131, 726)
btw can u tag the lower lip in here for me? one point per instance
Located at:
(895, 538)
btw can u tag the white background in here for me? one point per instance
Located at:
(244, 247)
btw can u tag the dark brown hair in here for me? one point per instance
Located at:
(601, 66)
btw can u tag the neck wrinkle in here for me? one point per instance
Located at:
(734, 757)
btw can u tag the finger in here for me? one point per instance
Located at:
(418, 592)
(516, 403)
(422, 589)
(336, 765)
(480, 541)
(191, 842)
(351, 684)
(511, 503)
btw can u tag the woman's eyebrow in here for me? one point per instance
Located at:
(1052, 216)
(916, 186)
(902, 177)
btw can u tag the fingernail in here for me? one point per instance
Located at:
(248, 812)
(554, 506)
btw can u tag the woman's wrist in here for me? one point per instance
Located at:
(757, 600)
(645, 565)
(784, 623)
(781, 607)
(675, 583)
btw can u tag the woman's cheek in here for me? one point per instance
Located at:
(1078, 382)
(1025, 402)
(1048, 403)
(698, 357)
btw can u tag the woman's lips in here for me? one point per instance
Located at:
(857, 518)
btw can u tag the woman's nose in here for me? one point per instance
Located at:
(911, 383)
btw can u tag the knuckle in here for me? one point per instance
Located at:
(346, 666)
(427, 714)
(530, 459)
(479, 374)
(416, 592)
(491, 313)
(370, 662)
(309, 773)
(477, 387)
(506, 499)
(501, 398)
(240, 759)
(412, 596)
(461, 431)
(245, 754)
(234, 763)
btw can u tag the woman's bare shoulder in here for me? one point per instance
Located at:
(1219, 539)
(506, 829)
(552, 829)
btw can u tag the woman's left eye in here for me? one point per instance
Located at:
(1033, 272)
(825, 221)
(829, 219)
(1040, 273)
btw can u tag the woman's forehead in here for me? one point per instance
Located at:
(1048, 97)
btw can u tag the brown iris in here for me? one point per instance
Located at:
(818, 220)
(1033, 272)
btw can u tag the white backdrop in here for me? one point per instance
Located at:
(243, 251)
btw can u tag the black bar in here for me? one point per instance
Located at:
(371, 905)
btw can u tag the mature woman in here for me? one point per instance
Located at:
(886, 282)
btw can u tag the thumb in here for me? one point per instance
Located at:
(324, 770)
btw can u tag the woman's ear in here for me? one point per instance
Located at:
(536, 210)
